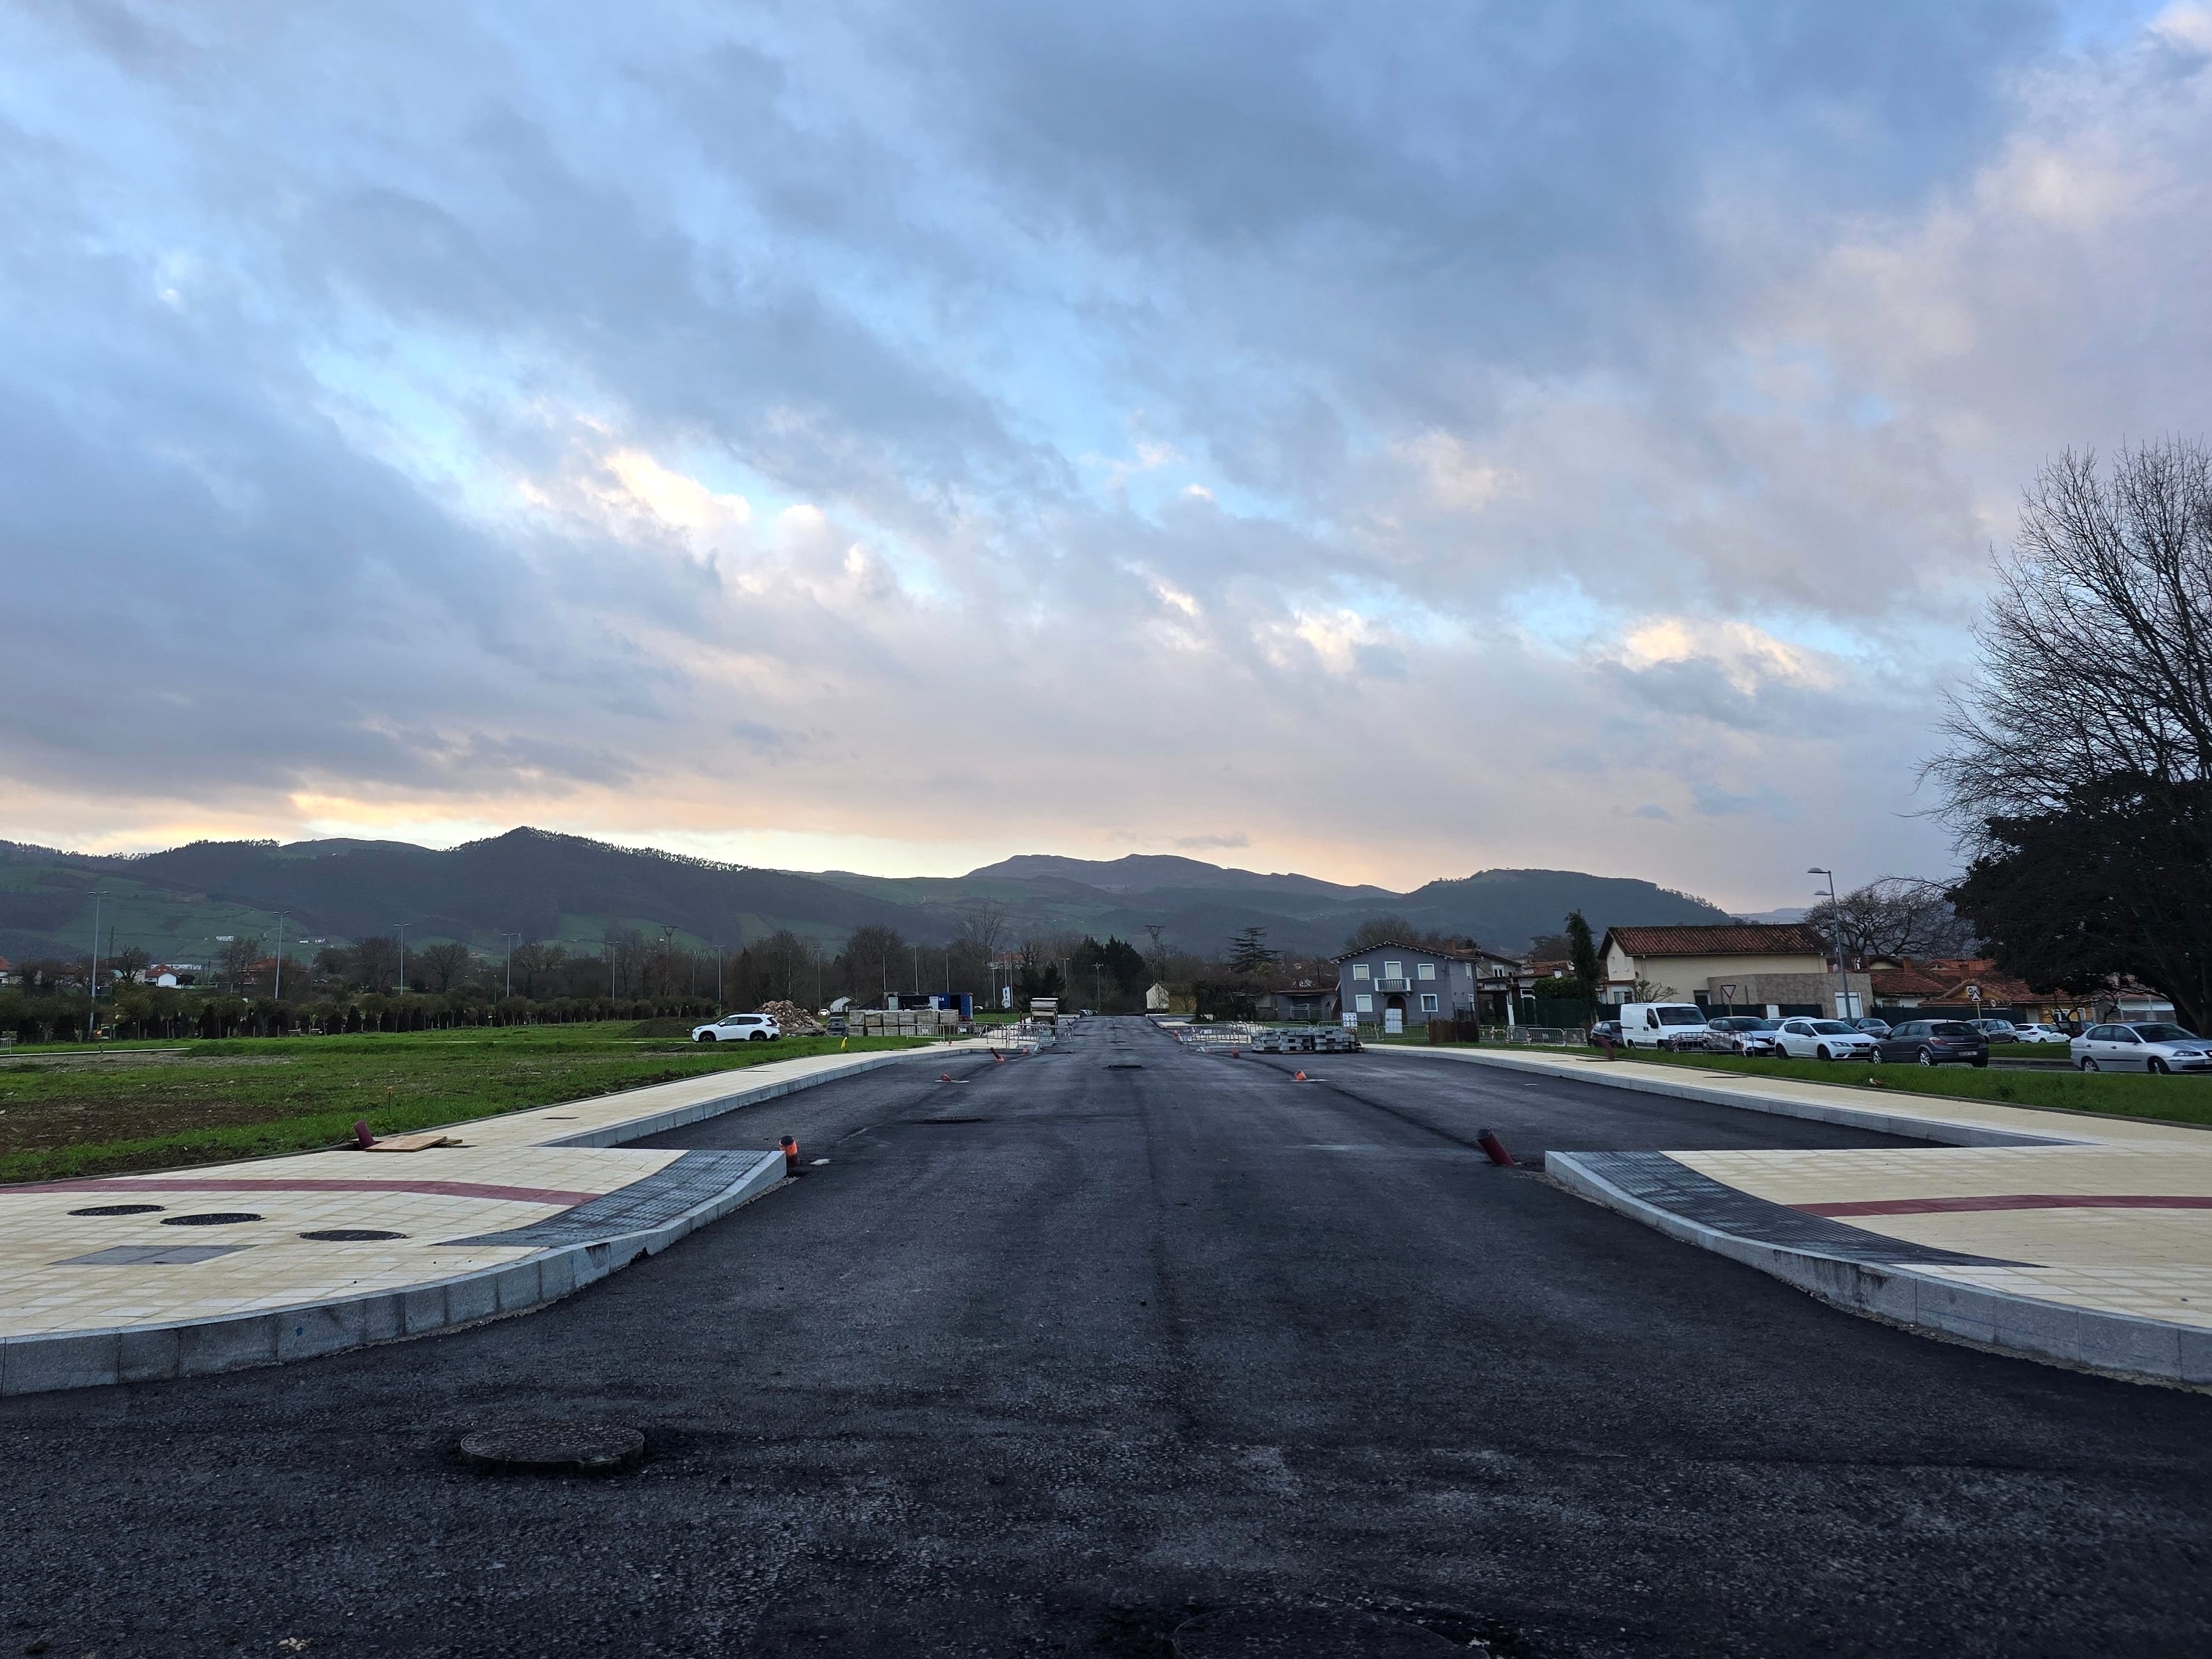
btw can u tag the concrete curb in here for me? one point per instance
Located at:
(2135, 1349)
(622, 1134)
(1942, 1132)
(148, 1354)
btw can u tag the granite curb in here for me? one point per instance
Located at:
(144, 1353)
(2134, 1349)
(1942, 1132)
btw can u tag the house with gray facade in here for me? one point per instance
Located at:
(1401, 987)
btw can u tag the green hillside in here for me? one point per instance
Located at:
(553, 888)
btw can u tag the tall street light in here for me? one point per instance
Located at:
(1842, 974)
(278, 994)
(401, 988)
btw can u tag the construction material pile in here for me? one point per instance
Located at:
(794, 1020)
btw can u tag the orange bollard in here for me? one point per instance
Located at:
(1494, 1149)
(1299, 1078)
(790, 1155)
(360, 1133)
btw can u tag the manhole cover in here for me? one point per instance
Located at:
(1305, 1634)
(119, 1209)
(210, 1218)
(553, 1449)
(349, 1235)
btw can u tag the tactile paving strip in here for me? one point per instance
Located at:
(640, 1208)
(1660, 1181)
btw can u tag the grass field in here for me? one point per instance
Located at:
(154, 1106)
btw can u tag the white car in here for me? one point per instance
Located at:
(2148, 1046)
(2037, 1033)
(1825, 1039)
(738, 1028)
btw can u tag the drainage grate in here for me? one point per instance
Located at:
(948, 1120)
(210, 1218)
(1306, 1633)
(151, 1255)
(554, 1449)
(351, 1235)
(1125, 1064)
(120, 1209)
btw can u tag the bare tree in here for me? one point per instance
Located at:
(1896, 917)
(2097, 646)
(444, 966)
(2078, 770)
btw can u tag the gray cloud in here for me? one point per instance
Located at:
(378, 389)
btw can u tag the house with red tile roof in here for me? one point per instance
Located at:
(1752, 966)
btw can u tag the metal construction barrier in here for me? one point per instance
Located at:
(1222, 1037)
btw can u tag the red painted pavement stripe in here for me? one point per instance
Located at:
(2011, 1202)
(443, 1188)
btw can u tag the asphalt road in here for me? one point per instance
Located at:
(1051, 1359)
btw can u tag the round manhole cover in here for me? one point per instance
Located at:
(210, 1218)
(351, 1235)
(119, 1209)
(554, 1449)
(1305, 1634)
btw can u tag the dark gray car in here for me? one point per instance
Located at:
(1935, 1042)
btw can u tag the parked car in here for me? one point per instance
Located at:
(2149, 1045)
(738, 1028)
(2039, 1032)
(1936, 1042)
(1742, 1034)
(1662, 1025)
(1605, 1031)
(1872, 1027)
(1824, 1039)
(1997, 1031)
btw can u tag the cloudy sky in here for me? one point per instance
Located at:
(1384, 441)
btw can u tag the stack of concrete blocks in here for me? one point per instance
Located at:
(902, 1021)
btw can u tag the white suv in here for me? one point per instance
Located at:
(738, 1028)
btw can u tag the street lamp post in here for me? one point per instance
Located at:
(512, 940)
(91, 1005)
(401, 988)
(1842, 972)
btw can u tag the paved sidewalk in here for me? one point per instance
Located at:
(122, 1278)
(2061, 1236)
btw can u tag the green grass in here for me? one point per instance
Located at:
(2170, 1099)
(252, 1098)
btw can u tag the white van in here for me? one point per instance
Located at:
(1662, 1025)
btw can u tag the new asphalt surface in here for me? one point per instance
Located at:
(1056, 1357)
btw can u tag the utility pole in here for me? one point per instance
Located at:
(401, 988)
(512, 940)
(609, 944)
(278, 994)
(1843, 973)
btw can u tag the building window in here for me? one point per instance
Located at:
(1428, 1002)
(1362, 1002)
(1359, 971)
(1427, 970)
(1394, 970)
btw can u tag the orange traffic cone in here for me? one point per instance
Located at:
(1300, 1077)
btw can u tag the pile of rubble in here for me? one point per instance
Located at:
(794, 1020)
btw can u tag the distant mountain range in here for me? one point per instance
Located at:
(552, 887)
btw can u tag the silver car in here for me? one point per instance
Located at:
(2143, 1046)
